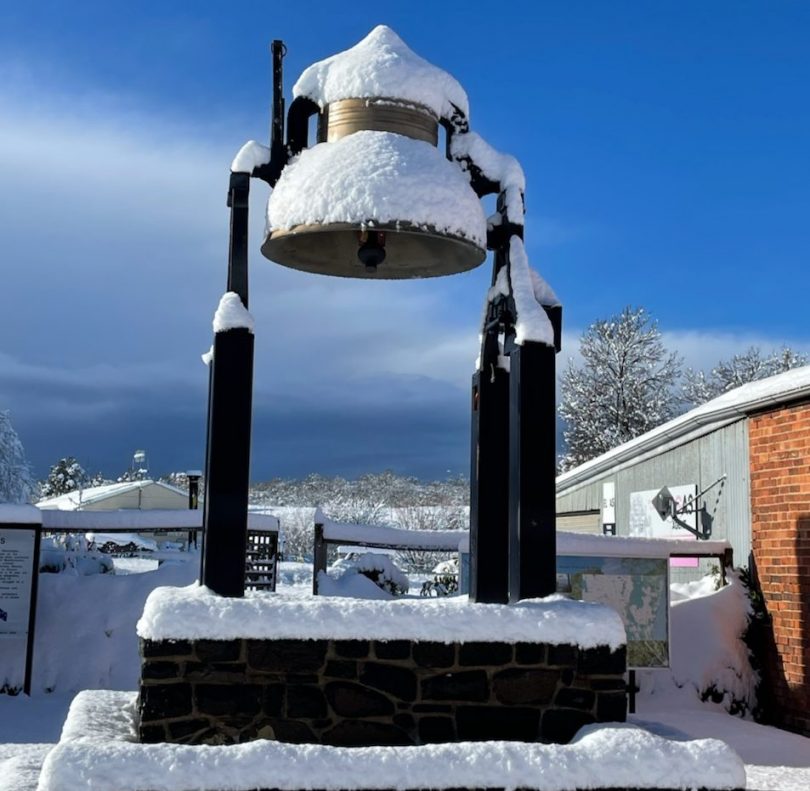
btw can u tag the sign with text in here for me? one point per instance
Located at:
(646, 523)
(16, 570)
(18, 550)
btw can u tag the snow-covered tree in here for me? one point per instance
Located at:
(376, 498)
(624, 386)
(753, 364)
(67, 475)
(16, 481)
(98, 479)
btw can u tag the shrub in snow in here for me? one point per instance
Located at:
(68, 553)
(125, 544)
(445, 580)
(380, 569)
(756, 634)
(51, 556)
(709, 657)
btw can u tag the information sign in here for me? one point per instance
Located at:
(637, 588)
(16, 568)
(19, 547)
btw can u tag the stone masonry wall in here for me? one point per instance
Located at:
(360, 692)
(780, 532)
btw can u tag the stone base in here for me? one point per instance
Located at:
(368, 692)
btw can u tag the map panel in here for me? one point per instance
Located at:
(637, 588)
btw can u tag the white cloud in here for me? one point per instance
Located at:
(700, 349)
(114, 231)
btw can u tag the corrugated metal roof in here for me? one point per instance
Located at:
(721, 411)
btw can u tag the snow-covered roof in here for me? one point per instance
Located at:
(585, 544)
(382, 66)
(369, 535)
(97, 749)
(727, 408)
(590, 545)
(11, 513)
(195, 612)
(75, 501)
(144, 520)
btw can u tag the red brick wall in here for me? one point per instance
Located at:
(780, 526)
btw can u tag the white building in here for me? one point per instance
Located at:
(141, 495)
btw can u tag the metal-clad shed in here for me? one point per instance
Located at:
(142, 495)
(755, 438)
(707, 447)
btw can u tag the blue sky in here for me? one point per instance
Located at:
(666, 152)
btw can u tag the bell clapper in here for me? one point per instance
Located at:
(372, 249)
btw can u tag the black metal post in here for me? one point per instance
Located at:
(489, 487)
(318, 557)
(490, 546)
(230, 396)
(277, 50)
(32, 610)
(532, 472)
(193, 503)
(238, 195)
(193, 492)
(227, 470)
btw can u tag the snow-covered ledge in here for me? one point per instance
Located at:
(98, 750)
(194, 612)
(359, 672)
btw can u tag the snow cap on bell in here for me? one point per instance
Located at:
(382, 65)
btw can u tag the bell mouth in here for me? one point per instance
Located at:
(337, 249)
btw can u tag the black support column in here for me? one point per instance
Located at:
(532, 472)
(227, 468)
(489, 481)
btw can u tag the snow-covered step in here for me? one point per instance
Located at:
(98, 751)
(20, 765)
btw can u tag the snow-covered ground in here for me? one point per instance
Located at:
(133, 565)
(86, 640)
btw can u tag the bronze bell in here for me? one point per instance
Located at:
(375, 198)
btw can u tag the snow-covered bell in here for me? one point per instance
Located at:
(375, 197)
